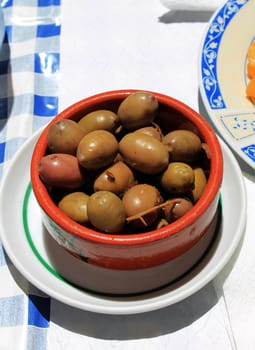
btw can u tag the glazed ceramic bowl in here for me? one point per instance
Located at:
(170, 250)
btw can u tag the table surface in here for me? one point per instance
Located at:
(108, 45)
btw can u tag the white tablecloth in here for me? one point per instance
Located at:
(107, 45)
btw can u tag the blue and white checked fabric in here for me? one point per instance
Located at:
(29, 71)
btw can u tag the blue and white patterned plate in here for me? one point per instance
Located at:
(223, 78)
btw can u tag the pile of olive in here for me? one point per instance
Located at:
(117, 172)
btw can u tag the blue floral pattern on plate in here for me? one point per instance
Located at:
(250, 151)
(239, 125)
(210, 51)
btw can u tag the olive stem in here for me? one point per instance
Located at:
(140, 215)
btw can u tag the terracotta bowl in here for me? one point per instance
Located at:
(133, 262)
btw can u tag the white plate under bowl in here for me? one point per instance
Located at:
(30, 252)
(223, 76)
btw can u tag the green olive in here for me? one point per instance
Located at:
(200, 183)
(153, 130)
(143, 153)
(117, 179)
(178, 178)
(106, 212)
(97, 149)
(140, 203)
(176, 208)
(64, 136)
(137, 110)
(74, 205)
(101, 119)
(183, 145)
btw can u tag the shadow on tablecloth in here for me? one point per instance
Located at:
(181, 16)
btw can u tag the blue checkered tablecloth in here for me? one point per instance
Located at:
(29, 71)
(108, 45)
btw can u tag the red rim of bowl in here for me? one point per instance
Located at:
(212, 188)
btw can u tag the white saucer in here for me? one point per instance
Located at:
(31, 257)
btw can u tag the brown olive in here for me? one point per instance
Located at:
(61, 170)
(64, 136)
(101, 119)
(183, 145)
(200, 183)
(138, 110)
(139, 202)
(74, 205)
(178, 178)
(143, 153)
(176, 208)
(106, 212)
(97, 149)
(153, 130)
(117, 179)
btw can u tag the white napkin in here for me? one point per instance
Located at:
(192, 5)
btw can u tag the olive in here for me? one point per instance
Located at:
(97, 149)
(101, 119)
(140, 203)
(183, 145)
(143, 153)
(153, 130)
(61, 170)
(117, 179)
(177, 178)
(188, 125)
(176, 208)
(64, 136)
(106, 212)
(200, 183)
(74, 205)
(137, 110)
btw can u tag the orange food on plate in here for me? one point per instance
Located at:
(251, 70)
(250, 89)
